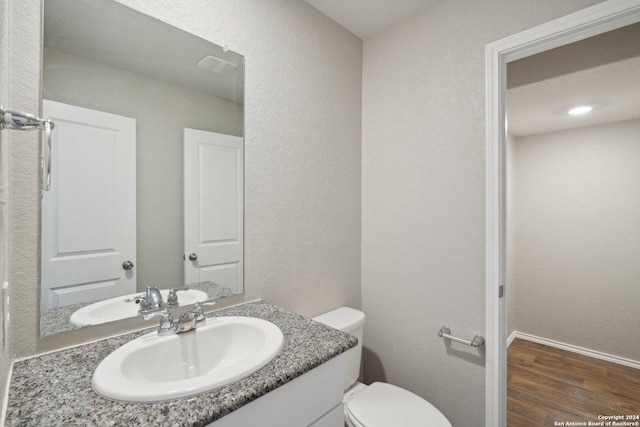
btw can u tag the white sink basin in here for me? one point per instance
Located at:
(116, 308)
(153, 367)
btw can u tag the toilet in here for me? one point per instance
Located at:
(379, 404)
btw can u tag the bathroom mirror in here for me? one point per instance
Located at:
(148, 165)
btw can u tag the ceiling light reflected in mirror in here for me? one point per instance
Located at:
(580, 110)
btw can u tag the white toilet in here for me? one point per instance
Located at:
(379, 404)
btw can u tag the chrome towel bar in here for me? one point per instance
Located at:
(445, 332)
(19, 120)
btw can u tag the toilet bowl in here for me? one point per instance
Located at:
(379, 404)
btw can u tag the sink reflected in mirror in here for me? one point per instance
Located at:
(119, 308)
(154, 368)
(57, 320)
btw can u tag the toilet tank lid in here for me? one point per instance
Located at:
(345, 319)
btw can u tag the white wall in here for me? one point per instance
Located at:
(4, 174)
(577, 207)
(302, 155)
(423, 195)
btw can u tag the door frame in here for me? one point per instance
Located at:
(589, 22)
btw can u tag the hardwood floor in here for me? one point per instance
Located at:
(547, 386)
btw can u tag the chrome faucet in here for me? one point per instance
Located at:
(154, 297)
(188, 321)
(152, 300)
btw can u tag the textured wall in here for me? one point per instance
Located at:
(4, 174)
(302, 155)
(423, 223)
(24, 177)
(578, 237)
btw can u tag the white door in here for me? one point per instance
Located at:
(89, 216)
(213, 208)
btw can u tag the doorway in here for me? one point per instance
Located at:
(571, 235)
(596, 20)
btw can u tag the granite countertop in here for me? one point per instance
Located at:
(55, 389)
(56, 320)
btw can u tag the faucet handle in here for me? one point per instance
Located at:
(135, 298)
(172, 298)
(198, 311)
(166, 322)
(143, 300)
(197, 306)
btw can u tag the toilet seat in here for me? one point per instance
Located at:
(383, 405)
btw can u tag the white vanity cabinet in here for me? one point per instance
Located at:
(313, 399)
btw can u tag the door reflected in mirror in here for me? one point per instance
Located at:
(148, 161)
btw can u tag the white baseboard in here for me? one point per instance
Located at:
(574, 348)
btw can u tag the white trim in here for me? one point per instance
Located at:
(512, 337)
(5, 399)
(595, 20)
(577, 349)
(495, 398)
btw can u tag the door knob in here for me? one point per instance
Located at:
(193, 257)
(127, 265)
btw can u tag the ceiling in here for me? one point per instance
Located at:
(602, 71)
(613, 90)
(365, 18)
(113, 34)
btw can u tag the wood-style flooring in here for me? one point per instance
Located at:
(547, 386)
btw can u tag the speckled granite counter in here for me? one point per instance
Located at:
(56, 320)
(55, 389)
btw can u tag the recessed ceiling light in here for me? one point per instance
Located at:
(583, 109)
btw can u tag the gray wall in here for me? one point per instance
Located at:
(161, 111)
(423, 195)
(302, 154)
(578, 237)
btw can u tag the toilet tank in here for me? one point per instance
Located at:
(351, 321)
